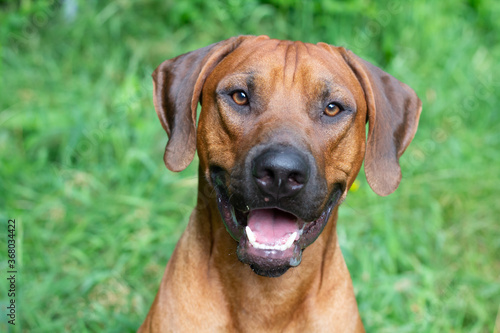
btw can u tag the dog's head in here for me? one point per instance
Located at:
(281, 136)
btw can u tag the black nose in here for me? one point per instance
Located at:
(280, 174)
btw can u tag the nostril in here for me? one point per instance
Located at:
(296, 179)
(264, 176)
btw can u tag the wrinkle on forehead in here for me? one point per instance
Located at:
(286, 55)
(291, 62)
(286, 59)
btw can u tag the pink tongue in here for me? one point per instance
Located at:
(271, 226)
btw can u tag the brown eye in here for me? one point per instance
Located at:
(240, 98)
(332, 109)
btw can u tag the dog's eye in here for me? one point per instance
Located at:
(240, 97)
(332, 109)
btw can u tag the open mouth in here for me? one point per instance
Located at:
(270, 240)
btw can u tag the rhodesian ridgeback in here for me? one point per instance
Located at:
(281, 137)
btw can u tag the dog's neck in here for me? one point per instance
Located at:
(321, 270)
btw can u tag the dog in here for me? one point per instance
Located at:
(281, 138)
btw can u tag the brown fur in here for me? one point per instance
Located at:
(205, 287)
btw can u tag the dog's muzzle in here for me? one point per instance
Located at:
(271, 227)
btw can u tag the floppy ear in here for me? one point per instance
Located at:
(393, 113)
(177, 85)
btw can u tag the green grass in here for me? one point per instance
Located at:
(98, 214)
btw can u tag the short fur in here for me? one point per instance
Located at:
(205, 287)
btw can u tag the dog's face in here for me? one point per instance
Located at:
(281, 137)
(289, 142)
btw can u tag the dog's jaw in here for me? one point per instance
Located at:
(270, 240)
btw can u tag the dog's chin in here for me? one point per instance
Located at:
(274, 272)
(270, 240)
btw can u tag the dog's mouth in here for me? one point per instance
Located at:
(270, 240)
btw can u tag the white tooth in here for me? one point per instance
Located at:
(290, 240)
(251, 236)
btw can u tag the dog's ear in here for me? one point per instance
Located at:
(393, 113)
(177, 85)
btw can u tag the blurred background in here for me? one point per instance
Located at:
(98, 214)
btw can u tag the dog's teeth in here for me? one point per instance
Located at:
(251, 236)
(290, 240)
(253, 241)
